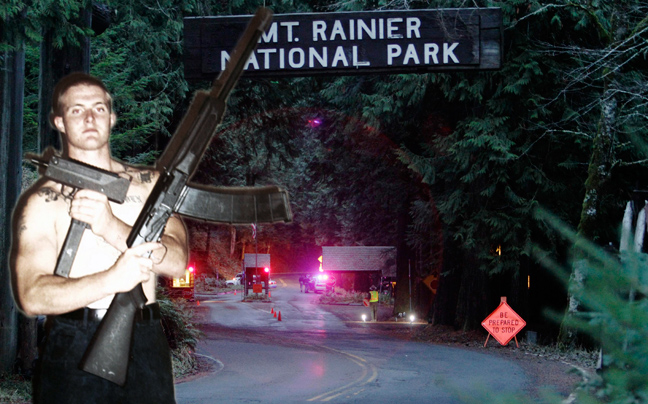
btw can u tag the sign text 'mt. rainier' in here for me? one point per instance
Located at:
(351, 43)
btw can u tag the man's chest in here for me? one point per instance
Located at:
(129, 210)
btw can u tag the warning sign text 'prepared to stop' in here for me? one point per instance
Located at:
(503, 323)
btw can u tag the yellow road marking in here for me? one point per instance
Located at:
(369, 372)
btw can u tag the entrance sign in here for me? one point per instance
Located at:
(503, 323)
(307, 44)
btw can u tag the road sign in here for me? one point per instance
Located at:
(432, 282)
(365, 301)
(503, 323)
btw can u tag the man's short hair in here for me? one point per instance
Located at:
(68, 81)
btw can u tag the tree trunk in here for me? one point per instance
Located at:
(54, 65)
(471, 299)
(12, 83)
(232, 240)
(597, 179)
(445, 303)
(405, 273)
(28, 343)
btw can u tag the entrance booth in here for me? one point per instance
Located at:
(183, 287)
(257, 273)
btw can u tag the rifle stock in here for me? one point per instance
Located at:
(111, 350)
(177, 164)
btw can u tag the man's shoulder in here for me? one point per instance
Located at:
(43, 200)
(43, 192)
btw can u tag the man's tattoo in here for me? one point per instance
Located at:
(146, 177)
(134, 199)
(50, 194)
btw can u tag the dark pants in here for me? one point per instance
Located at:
(374, 310)
(58, 378)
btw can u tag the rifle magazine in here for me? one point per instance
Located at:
(239, 205)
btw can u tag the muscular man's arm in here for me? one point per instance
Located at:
(172, 260)
(34, 254)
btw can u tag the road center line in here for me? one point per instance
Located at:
(367, 369)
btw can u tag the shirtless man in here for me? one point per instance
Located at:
(82, 113)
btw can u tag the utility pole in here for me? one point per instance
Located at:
(12, 85)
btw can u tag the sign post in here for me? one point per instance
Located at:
(503, 324)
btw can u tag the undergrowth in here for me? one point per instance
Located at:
(178, 320)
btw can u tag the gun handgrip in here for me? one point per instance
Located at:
(70, 247)
(108, 353)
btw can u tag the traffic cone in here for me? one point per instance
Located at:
(269, 294)
(275, 314)
(197, 302)
(272, 311)
(279, 318)
(234, 292)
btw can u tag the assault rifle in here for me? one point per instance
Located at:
(108, 353)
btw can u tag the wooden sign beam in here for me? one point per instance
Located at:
(308, 44)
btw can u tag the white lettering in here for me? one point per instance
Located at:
(337, 30)
(413, 25)
(356, 62)
(351, 55)
(224, 59)
(271, 35)
(371, 32)
(393, 51)
(391, 28)
(359, 29)
(289, 30)
(431, 51)
(312, 55)
(252, 60)
(266, 56)
(339, 56)
(410, 53)
(319, 29)
(448, 52)
(291, 58)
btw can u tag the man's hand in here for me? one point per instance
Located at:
(93, 208)
(133, 267)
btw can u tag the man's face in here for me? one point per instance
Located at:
(86, 118)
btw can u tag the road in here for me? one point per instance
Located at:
(311, 355)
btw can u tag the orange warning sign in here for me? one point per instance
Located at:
(432, 282)
(504, 323)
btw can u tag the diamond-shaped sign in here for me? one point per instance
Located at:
(503, 323)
